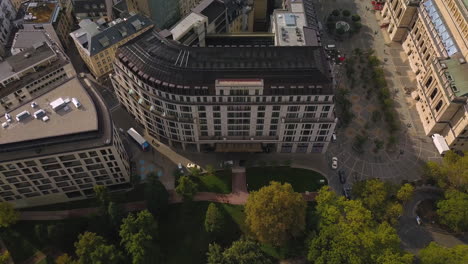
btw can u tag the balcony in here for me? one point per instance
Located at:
(308, 120)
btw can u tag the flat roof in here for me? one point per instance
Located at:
(25, 60)
(184, 25)
(290, 28)
(27, 38)
(62, 122)
(40, 12)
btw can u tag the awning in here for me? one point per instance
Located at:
(238, 147)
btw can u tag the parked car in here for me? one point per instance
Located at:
(342, 176)
(193, 165)
(333, 138)
(347, 191)
(334, 164)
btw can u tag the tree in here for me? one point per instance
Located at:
(453, 210)
(5, 257)
(156, 195)
(355, 18)
(405, 193)
(214, 219)
(115, 212)
(393, 212)
(8, 214)
(346, 13)
(195, 172)
(186, 188)
(55, 233)
(348, 234)
(214, 254)
(436, 254)
(336, 12)
(245, 252)
(275, 213)
(374, 195)
(40, 232)
(340, 31)
(65, 259)
(91, 248)
(452, 172)
(138, 234)
(103, 197)
(210, 170)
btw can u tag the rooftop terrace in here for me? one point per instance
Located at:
(40, 12)
(61, 122)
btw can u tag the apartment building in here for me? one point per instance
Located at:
(32, 72)
(92, 9)
(209, 17)
(164, 13)
(240, 16)
(7, 15)
(186, 6)
(435, 41)
(97, 41)
(55, 17)
(53, 149)
(230, 98)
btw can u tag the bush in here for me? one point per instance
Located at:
(346, 13)
(355, 18)
(336, 12)
(376, 116)
(340, 31)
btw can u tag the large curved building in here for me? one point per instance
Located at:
(228, 99)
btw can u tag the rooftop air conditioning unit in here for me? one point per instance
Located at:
(443, 65)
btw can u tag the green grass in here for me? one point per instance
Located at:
(221, 182)
(301, 179)
(183, 237)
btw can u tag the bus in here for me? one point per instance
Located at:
(139, 139)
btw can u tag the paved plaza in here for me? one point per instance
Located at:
(405, 161)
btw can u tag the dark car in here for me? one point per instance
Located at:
(347, 191)
(342, 176)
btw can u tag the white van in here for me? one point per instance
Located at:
(333, 137)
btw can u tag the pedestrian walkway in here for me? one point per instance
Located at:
(238, 196)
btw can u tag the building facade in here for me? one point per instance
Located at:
(92, 9)
(164, 13)
(435, 41)
(62, 150)
(97, 43)
(228, 99)
(7, 15)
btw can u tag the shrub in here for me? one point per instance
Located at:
(355, 18)
(340, 31)
(336, 12)
(346, 13)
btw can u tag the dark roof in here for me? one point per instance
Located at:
(212, 9)
(88, 6)
(240, 39)
(115, 33)
(155, 58)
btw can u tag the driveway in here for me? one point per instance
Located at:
(415, 237)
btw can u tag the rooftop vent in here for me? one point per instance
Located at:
(462, 60)
(27, 55)
(443, 65)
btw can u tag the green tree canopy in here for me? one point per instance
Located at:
(5, 257)
(349, 235)
(91, 248)
(245, 252)
(156, 195)
(436, 254)
(453, 210)
(103, 197)
(452, 172)
(65, 259)
(405, 193)
(275, 213)
(214, 254)
(138, 233)
(214, 219)
(210, 170)
(186, 188)
(8, 214)
(115, 212)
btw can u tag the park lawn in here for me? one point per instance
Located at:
(182, 234)
(221, 182)
(302, 180)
